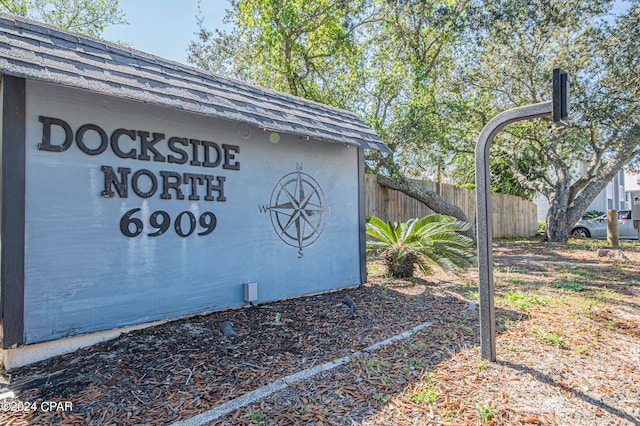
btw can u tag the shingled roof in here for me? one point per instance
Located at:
(36, 51)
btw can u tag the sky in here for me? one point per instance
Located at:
(164, 27)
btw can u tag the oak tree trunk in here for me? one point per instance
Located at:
(425, 196)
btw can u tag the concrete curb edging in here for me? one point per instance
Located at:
(265, 391)
(471, 306)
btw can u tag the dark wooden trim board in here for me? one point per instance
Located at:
(12, 207)
(362, 216)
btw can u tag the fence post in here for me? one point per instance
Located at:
(612, 228)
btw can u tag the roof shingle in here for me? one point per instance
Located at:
(36, 51)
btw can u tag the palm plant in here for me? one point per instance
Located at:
(434, 240)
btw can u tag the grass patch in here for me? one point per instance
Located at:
(425, 396)
(586, 244)
(503, 324)
(547, 337)
(382, 398)
(583, 273)
(582, 349)
(523, 301)
(605, 294)
(510, 270)
(257, 417)
(486, 412)
(512, 348)
(413, 362)
(568, 285)
(482, 364)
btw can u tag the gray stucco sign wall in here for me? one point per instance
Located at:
(135, 212)
(135, 189)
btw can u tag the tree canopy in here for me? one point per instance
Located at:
(90, 17)
(427, 75)
(569, 168)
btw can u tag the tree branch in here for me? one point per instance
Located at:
(422, 194)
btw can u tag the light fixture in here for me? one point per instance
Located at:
(227, 329)
(351, 304)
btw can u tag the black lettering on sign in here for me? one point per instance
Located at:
(184, 225)
(207, 154)
(145, 184)
(175, 185)
(146, 144)
(104, 140)
(196, 180)
(58, 136)
(111, 180)
(115, 147)
(153, 187)
(229, 155)
(173, 148)
(46, 144)
(208, 222)
(195, 161)
(211, 188)
(126, 221)
(191, 224)
(162, 226)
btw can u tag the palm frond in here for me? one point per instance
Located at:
(431, 241)
(378, 246)
(381, 230)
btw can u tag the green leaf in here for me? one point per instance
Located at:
(431, 241)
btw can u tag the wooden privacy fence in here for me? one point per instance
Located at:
(512, 216)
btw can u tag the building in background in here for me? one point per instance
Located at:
(632, 187)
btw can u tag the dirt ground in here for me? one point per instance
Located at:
(568, 350)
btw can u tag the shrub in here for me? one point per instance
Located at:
(434, 240)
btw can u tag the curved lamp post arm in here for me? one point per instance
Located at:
(484, 219)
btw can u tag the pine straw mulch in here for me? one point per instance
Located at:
(568, 353)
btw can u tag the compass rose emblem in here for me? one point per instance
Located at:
(298, 209)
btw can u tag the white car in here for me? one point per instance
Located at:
(597, 228)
